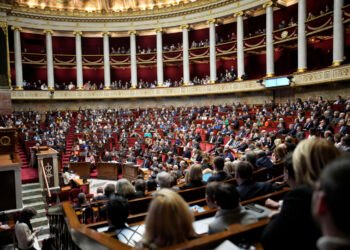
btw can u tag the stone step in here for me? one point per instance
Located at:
(32, 199)
(30, 186)
(30, 192)
(40, 213)
(37, 205)
(39, 222)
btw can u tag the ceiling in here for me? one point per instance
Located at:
(99, 5)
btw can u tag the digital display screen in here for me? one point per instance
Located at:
(277, 82)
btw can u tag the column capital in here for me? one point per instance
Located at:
(159, 30)
(48, 32)
(268, 4)
(241, 13)
(184, 27)
(106, 33)
(16, 28)
(77, 33)
(132, 32)
(212, 20)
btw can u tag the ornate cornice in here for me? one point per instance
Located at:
(132, 32)
(185, 27)
(240, 13)
(325, 76)
(77, 33)
(48, 32)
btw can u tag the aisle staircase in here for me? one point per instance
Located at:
(29, 174)
(32, 196)
(69, 143)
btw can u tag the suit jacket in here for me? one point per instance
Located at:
(225, 217)
(220, 176)
(250, 189)
(294, 224)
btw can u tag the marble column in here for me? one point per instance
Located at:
(79, 60)
(49, 60)
(270, 67)
(133, 59)
(212, 50)
(185, 54)
(240, 46)
(18, 58)
(160, 76)
(302, 44)
(338, 33)
(106, 62)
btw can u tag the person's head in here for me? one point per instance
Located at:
(169, 220)
(310, 157)
(243, 171)
(251, 158)
(280, 152)
(331, 200)
(125, 188)
(140, 185)
(219, 163)
(117, 211)
(164, 180)
(27, 214)
(99, 190)
(81, 198)
(222, 195)
(151, 185)
(195, 173)
(229, 167)
(109, 190)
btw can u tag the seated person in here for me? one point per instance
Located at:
(99, 195)
(125, 188)
(117, 214)
(69, 177)
(176, 221)
(247, 187)
(166, 180)
(140, 188)
(331, 205)
(225, 197)
(220, 174)
(194, 178)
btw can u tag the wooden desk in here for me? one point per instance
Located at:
(107, 170)
(81, 168)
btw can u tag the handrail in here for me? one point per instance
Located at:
(45, 178)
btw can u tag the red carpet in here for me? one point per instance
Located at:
(28, 174)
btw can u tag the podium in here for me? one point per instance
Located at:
(10, 171)
(47, 161)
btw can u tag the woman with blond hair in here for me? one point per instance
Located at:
(194, 177)
(168, 222)
(294, 224)
(125, 189)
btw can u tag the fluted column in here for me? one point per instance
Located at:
(160, 77)
(212, 50)
(338, 33)
(18, 58)
(302, 45)
(49, 60)
(240, 47)
(270, 67)
(78, 58)
(106, 62)
(133, 58)
(185, 54)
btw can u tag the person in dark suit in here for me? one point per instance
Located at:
(331, 205)
(212, 138)
(224, 196)
(140, 188)
(220, 174)
(187, 153)
(295, 221)
(247, 187)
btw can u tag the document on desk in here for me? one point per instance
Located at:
(201, 226)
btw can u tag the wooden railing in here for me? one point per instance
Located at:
(45, 179)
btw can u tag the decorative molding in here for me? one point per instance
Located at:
(106, 33)
(325, 76)
(241, 13)
(159, 30)
(132, 32)
(212, 20)
(48, 31)
(77, 32)
(16, 28)
(184, 27)
(268, 4)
